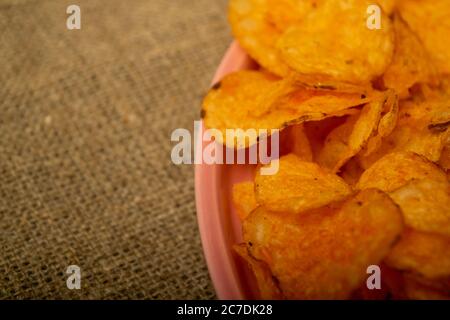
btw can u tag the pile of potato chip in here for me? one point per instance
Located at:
(365, 158)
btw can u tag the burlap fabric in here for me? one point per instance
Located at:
(85, 123)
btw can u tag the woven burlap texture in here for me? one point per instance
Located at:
(85, 123)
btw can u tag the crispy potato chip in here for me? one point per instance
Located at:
(335, 145)
(444, 161)
(411, 63)
(386, 125)
(300, 143)
(398, 168)
(317, 131)
(267, 286)
(387, 5)
(342, 48)
(425, 253)
(429, 21)
(326, 83)
(258, 101)
(324, 253)
(298, 186)
(425, 205)
(284, 13)
(348, 140)
(244, 199)
(255, 34)
(422, 128)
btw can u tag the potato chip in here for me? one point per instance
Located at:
(425, 205)
(267, 286)
(255, 34)
(284, 13)
(425, 253)
(346, 141)
(256, 100)
(421, 128)
(324, 253)
(386, 125)
(300, 143)
(244, 198)
(387, 5)
(444, 161)
(335, 41)
(317, 131)
(429, 21)
(326, 83)
(410, 64)
(398, 168)
(298, 186)
(335, 145)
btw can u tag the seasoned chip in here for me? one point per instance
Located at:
(284, 13)
(425, 205)
(422, 128)
(335, 41)
(324, 253)
(411, 63)
(396, 169)
(386, 125)
(244, 199)
(327, 83)
(255, 34)
(258, 101)
(298, 186)
(267, 286)
(300, 143)
(444, 161)
(425, 253)
(387, 5)
(429, 21)
(346, 141)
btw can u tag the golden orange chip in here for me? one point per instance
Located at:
(300, 143)
(298, 186)
(398, 168)
(284, 13)
(255, 34)
(324, 253)
(244, 198)
(422, 128)
(348, 140)
(425, 253)
(444, 161)
(258, 101)
(268, 289)
(342, 48)
(429, 21)
(411, 63)
(386, 125)
(387, 5)
(425, 205)
(327, 83)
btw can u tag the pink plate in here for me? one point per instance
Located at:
(219, 225)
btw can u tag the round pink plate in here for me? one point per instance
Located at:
(219, 224)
